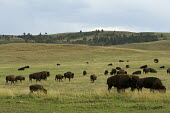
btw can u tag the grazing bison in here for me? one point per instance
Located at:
(113, 71)
(118, 68)
(146, 70)
(168, 70)
(162, 67)
(110, 64)
(84, 73)
(144, 66)
(152, 83)
(11, 78)
(121, 72)
(22, 68)
(26, 66)
(39, 76)
(59, 77)
(34, 88)
(20, 78)
(87, 62)
(122, 81)
(136, 72)
(93, 78)
(106, 72)
(151, 70)
(156, 60)
(58, 64)
(69, 75)
(127, 66)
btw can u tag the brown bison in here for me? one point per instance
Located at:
(156, 60)
(127, 66)
(26, 67)
(168, 70)
(152, 83)
(58, 64)
(93, 78)
(69, 75)
(22, 68)
(110, 64)
(136, 72)
(113, 71)
(39, 76)
(151, 70)
(162, 67)
(106, 72)
(36, 88)
(122, 81)
(118, 68)
(121, 60)
(146, 70)
(84, 73)
(59, 77)
(144, 66)
(121, 72)
(20, 78)
(11, 78)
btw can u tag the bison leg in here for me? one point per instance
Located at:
(69, 79)
(109, 88)
(118, 89)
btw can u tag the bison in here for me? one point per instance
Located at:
(84, 73)
(39, 76)
(34, 88)
(59, 77)
(106, 72)
(151, 70)
(152, 83)
(156, 60)
(118, 68)
(93, 78)
(121, 60)
(162, 67)
(122, 81)
(144, 66)
(58, 64)
(168, 70)
(113, 71)
(110, 64)
(136, 72)
(22, 68)
(127, 66)
(69, 75)
(11, 78)
(20, 78)
(146, 70)
(121, 72)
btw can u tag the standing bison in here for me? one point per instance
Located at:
(39, 76)
(36, 88)
(136, 72)
(168, 70)
(113, 71)
(152, 83)
(84, 73)
(69, 75)
(156, 60)
(122, 81)
(11, 78)
(21, 78)
(59, 77)
(121, 72)
(144, 66)
(93, 78)
(106, 72)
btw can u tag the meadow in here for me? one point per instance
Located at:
(80, 94)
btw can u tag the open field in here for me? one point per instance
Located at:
(80, 95)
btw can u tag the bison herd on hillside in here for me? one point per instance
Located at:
(120, 79)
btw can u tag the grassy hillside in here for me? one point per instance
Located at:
(80, 95)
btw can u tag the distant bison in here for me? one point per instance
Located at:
(156, 60)
(11, 78)
(118, 68)
(127, 66)
(69, 75)
(84, 73)
(59, 77)
(20, 78)
(58, 64)
(106, 72)
(151, 70)
(122, 81)
(93, 77)
(168, 70)
(121, 60)
(22, 68)
(144, 66)
(136, 72)
(39, 76)
(26, 66)
(146, 70)
(162, 67)
(35, 88)
(113, 71)
(121, 72)
(152, 83)
(110, 64)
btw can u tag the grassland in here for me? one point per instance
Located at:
(80, 95)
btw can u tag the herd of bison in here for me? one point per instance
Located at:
(119, 79)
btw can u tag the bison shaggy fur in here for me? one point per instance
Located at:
(59, 77)
(11, 78)
(21, 78)
(69, 75)
(36, 88)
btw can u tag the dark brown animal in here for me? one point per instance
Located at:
(110, 64)
(21, 78)
(151, 70)
(59, 77)
(106, 72)
(168, 70)
(58, 64)
(113, 71)
(121, 60)
(136, 72)
(69, 75)
(144, 66)
(87, 62)
(152, 83)
(162, 67)
(36, 88)
(121, 72)
(156, 60)
(11, 78)
(26, 67)
(93, 78)
(84, 73)
(146, 70)
(22, 68)
(118, 68)
(36, 76)
(121, 82)
(127, 66)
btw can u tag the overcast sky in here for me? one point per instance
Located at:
(58, 16)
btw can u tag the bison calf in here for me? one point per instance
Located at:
(35, 88)
(20, 78)
(93, 78)
(59, 77)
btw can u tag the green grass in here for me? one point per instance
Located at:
(80, 95)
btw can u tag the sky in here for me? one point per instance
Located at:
(60, 16)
